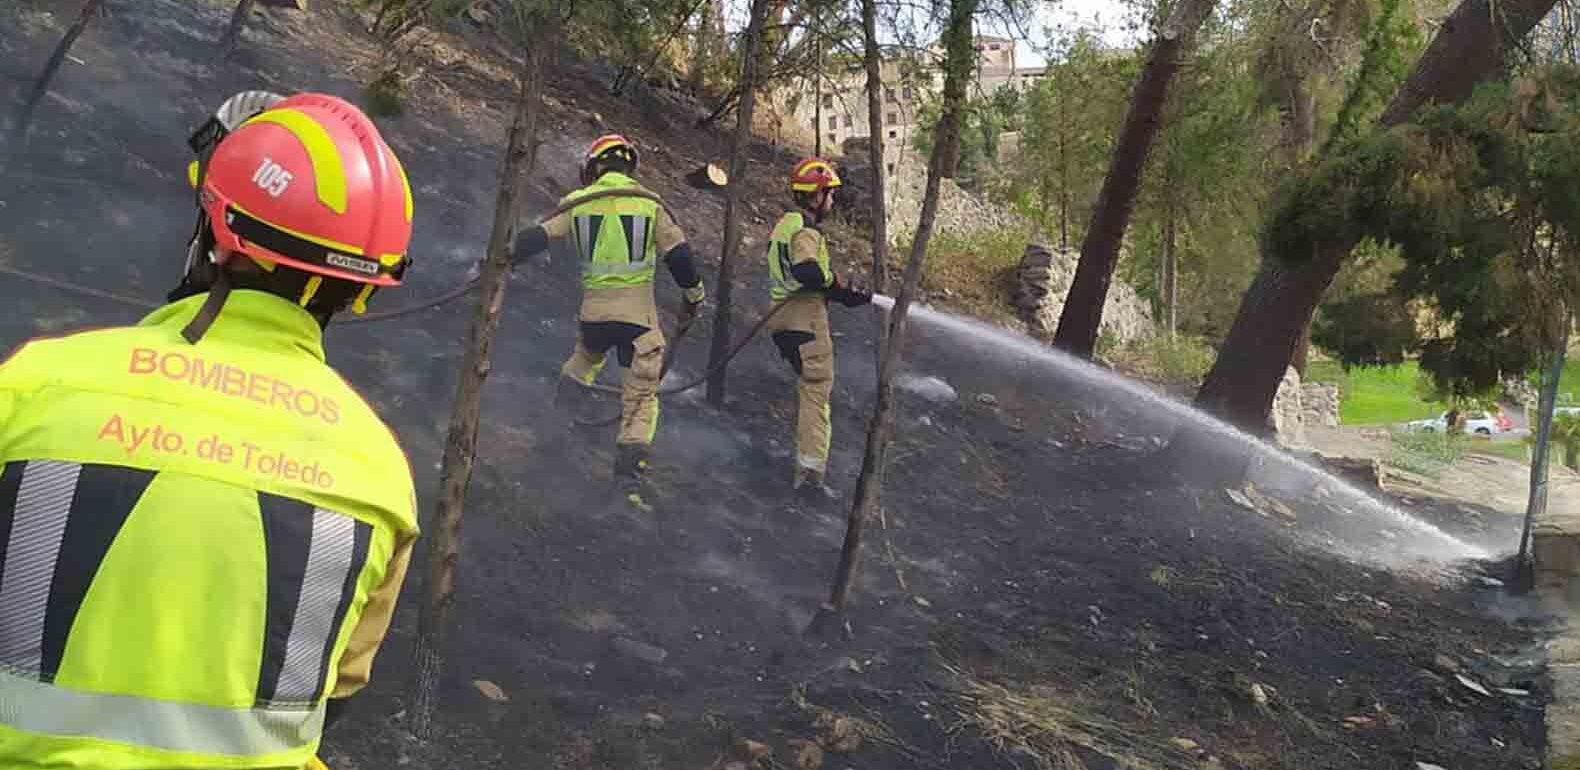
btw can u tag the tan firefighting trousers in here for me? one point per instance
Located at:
(625, 319)
(800, 331)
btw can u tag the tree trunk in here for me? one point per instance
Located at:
(1468, 48)
(872, 57)
(1302, 355)
(1064, 164)
(740, 153)
(959, 65)
(444, 538)
(708, 177)
(1299, 133)
(817, 102)
(1536, 504)
(1083, 307)
(24, 116)
(1171, 272)
(701, 50)
(238, 22)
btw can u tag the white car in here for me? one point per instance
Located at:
(1482, 423)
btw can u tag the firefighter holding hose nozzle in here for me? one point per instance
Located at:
(801, 284)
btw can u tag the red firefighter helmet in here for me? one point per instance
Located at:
(310, 184)
(812, 175)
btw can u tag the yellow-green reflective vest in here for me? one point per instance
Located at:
(614, 236)
(188, 536)
(782, 282)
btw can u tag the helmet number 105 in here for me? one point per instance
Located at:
(271, 178)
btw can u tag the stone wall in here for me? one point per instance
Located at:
(1297, 406)
(1043, 279)
(1319, 404)
(1288, 414)
(959, 211)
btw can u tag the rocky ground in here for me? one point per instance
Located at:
(1031, 597)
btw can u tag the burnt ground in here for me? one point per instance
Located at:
(1030, 597)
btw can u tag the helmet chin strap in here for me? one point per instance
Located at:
(236, 110)
(218, 292)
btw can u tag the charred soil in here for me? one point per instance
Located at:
(1028, 597)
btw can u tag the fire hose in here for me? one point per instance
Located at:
(669, 361)
(461, 290)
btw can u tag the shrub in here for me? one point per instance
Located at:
(382, 96)
(1182, 361)
(1423, 452)
(969, 272)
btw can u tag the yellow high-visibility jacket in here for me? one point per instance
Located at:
(199, 544)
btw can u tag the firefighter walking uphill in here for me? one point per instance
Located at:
(618, 234)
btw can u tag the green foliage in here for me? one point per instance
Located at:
(1068, 125)
(1566, 434)
(1205, 179)
(628, 33)
(1568, 382)
(1423, 453)
(1107, 344)
(1483, 210)
(1366, 329)
(984, 120)
(1183, 360)
(393, 19)
(970, 272)
(384, 95)
(1392, 44)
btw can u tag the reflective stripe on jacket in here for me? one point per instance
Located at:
(199, 544)
(615, 236)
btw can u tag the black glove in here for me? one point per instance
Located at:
(847, 295)
(529, 243)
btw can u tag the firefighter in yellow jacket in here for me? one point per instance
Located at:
(619, 233)
(203, 529)
(801, 284)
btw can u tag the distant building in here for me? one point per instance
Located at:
(996, 66)
(909, 79)
(843, 114)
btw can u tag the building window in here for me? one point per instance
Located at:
(993, 47)
(888, 94)
(833, 121)
(847, 121)
(831, 138)
(908, 93)
(891, 168)
(828, 100)
(813, 123)
(893, 118)
(893, 134)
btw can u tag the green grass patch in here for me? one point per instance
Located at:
(1517, 451)
(1568, 383)
(1424, 454)
(1376, 395)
